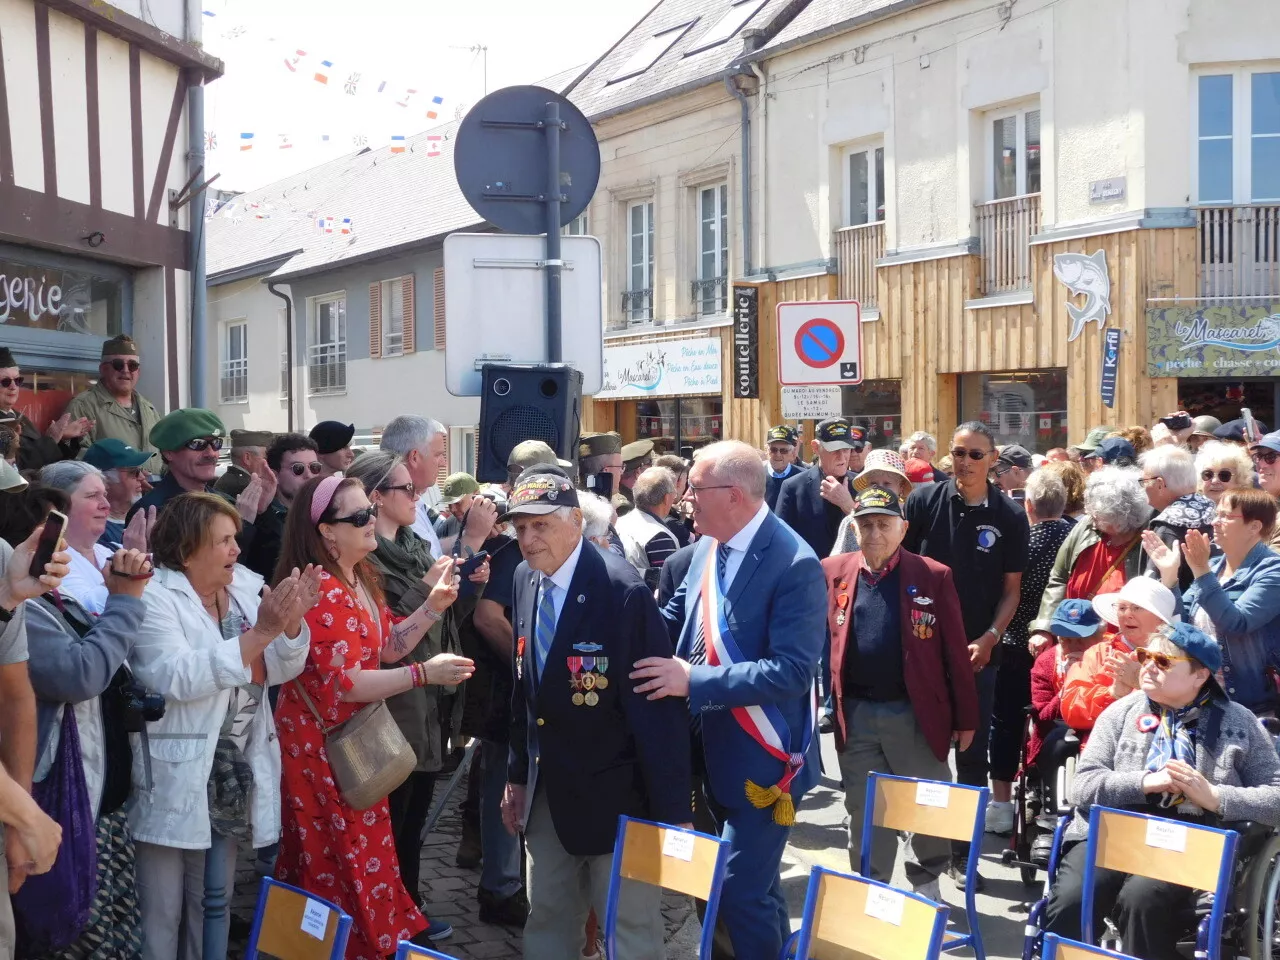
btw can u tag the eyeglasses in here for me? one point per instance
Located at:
(1260, 456)
(8, 382)
(1227, 516)
(958, 453)
(314, 468)
(1000, 469)
(694, 491)
(1162, 660)
(408, 489)
(359, 519)
(204, 443)
(119, 366)
(1145, 480)
(1224, 476)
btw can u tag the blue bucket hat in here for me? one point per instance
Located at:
(1076, 619)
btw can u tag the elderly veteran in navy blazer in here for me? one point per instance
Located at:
(750, 617)
(586, 746)
(902, 682)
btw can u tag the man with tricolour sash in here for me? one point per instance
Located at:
(750, 624)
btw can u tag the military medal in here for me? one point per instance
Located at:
(577, 699)
(592, 698)
(588, 682)
(602, 682)
(842, 602)
(602, 664)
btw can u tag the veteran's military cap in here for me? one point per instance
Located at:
(176, 429)
(599, 444)
(539, 493)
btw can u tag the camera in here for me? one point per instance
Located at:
(140, 705)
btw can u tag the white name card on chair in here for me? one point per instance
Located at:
(933, 794)
(678, 845)
(315, 919)
(885, 905)
(1167, 835)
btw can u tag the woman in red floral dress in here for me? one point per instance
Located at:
(345, 855)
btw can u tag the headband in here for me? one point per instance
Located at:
(323, 496)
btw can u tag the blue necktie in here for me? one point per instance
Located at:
(546, 629)
(698, 654)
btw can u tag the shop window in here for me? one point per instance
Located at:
(327, 346)
(1224, 399)
(876, 406)
(68, 300)
(1238, 137)
(711, 289)
(1024, 407)
(233, 374)
(680, 425)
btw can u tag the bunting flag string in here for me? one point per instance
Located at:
(250, 140)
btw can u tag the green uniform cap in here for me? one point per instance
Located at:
(182, 426)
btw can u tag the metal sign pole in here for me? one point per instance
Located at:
(552, 125)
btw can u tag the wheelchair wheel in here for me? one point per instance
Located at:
(1259, 933)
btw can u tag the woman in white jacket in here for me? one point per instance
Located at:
(211, 647)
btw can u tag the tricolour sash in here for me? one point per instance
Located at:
(764, 723)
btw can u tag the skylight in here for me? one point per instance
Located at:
(650, 52)
(728, 26)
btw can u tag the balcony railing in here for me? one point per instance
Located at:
(857, 250)
(1005, 228)
(233, 380)
(326, 368)
(711, 296)
(637, 308)
(1239, 251)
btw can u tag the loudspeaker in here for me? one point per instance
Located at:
(532, 402)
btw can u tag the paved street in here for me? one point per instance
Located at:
(818, 839)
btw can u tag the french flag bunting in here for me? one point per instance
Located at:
(246, 141)
(322, 74)
(435, 101)
(325, 224)
(397, 144)
(344, 226)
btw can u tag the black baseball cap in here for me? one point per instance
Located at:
(781, 434)
(837, 434)
(540, 493)
(877, 500)
(1015, 455)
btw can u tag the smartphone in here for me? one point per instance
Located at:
(468, 567)
(54, 527)
(1251, 432)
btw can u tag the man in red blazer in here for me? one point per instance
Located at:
(901, 675)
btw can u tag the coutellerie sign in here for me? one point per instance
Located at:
(746, 342)
(1229, 341)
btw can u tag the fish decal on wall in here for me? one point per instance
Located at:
(1085, 275)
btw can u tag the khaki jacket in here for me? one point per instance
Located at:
(112, 420)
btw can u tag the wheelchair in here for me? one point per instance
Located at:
(1039, 799)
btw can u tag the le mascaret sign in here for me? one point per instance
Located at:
(1229, 341)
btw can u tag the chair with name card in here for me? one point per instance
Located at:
(411, 951)
(1056, 948)
(673, 858)
(291, 924)
(932, 808)
(847, 917)
(1202, 858)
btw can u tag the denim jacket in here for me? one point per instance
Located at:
(1245, 611)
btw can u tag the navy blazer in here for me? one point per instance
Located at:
(627, 754)
(801, 507)
(776, 610)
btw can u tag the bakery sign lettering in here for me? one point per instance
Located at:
(34, 297)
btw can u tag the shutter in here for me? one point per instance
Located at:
(448, 466)
(477, 446)
(439, 307)
(375, 320)
(408, 339)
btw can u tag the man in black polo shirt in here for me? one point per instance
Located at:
(983, 536)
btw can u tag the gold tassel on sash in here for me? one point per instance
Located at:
(784, 809)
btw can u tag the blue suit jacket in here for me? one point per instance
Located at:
(627, 754)
(776, 610)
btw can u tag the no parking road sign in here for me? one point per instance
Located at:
(820, 343)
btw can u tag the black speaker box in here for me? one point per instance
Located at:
(527, 402)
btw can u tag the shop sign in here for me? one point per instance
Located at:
(666, 369)
(1108, 191)
(746, 346)
(811, 403)
(1227, 341)
(1087, 276)
(52, 298)
(26, 299)
(1110, 365)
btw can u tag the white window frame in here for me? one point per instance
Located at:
(327, 353)
(1018, 111)
(392, 292)
(282, 327)
(1242, 135)
(647, 262)
(874, 201)
(720, 254)
(577, 227)
(233, 369)
(462, 450)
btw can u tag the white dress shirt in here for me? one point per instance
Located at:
(739, 543)
(561, 579)
(423, 527)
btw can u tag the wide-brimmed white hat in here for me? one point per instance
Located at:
(1151, 595)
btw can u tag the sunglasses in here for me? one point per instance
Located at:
(359, 519)
(1162, 660)
(201, 444)
(1261, 456)
(120, 366)
(960, 452)
(1224, 476)
(298, 469)
(408, 489)
(8, 382)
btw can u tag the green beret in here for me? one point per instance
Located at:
(251, 438)
(174, 430)
(599, 444)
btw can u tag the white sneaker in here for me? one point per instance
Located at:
(999, 818)
(930, 890)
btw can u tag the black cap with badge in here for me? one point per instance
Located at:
(875, 500)
(540, 493)
(781, 434)
(836, 434)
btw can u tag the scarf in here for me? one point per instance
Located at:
(1175, 739)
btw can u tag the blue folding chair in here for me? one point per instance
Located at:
(877, 921)
(1055, 948)
(292, 924)
(1032, 933)
(673, 858)
(932, 808)
(1202, 858)
(407, 951)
